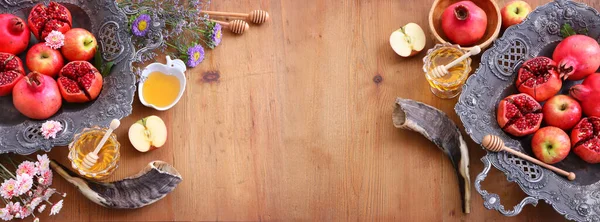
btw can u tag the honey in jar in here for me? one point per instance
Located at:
(84, 143)
(160, 89)
(450, 85)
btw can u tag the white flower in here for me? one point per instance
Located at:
(43, 163)
(50, 128)
(37, 219)
(56, 208)
(55, 39)
(42, 208)
(5, 214)
(25, 182)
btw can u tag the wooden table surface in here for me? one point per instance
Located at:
(292, 121)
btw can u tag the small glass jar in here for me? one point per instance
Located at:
(450, 85)
(84, 143)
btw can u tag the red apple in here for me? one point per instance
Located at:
(562, 111)
(514, 12)
(43, 59)
(80, 45)
(551, 144)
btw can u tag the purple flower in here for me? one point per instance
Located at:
(140, 25)
(195, 55)
(216, 35)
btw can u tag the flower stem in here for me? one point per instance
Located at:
(1, 165)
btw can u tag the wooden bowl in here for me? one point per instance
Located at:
(494, 21)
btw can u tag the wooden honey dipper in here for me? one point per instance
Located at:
(256, 16)
(235, 26)
(495, 144)
(91, 158)
(441, 71)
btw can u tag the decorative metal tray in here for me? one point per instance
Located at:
(110, 26)
(537, 35)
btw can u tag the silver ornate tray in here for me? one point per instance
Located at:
(110, 26)
(537, 35)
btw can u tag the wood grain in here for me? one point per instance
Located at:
(292, 122)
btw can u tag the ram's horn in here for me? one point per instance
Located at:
(151, 184)
(439, 129)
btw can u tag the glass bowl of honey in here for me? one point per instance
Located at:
(84, 143)
(450, 85)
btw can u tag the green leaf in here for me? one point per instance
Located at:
(567, 31)
(105, 70)
(98, 58)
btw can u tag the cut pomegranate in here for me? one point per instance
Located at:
(42, 20)
(538, 77)
(519, 115)
(11, 71)
(585, 138)
(79, 81)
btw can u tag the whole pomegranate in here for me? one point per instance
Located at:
(42, 20)
(588, 94)
(79, 82)
(519, 115)
(538, 78)
(11, 71)
(464, 23)
(578, 56)
(36, 96)
(15, 34)
(585, 138)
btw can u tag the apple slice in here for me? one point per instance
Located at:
(408, 40)
(148, 133)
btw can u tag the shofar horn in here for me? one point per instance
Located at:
(439, 129)
(151, 184)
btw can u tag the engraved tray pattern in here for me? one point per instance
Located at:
(537, 35)
(109, 24)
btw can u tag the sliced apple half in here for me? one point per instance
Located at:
(148, 133)
(408, 40)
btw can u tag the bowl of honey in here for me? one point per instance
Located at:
(162, 85)
(84, 143)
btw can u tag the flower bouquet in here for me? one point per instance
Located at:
(28, 190)
(176, 28)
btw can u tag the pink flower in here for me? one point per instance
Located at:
(48, 193)
(27, 167)
(50, 128)
(56, 208)
(8, 189)
(55, 39)
(5, 214)
(25, 182)
(43, 162)
(39, 191)
(14, 207)
(42, 208)
(35, 202)
(45, 178)
(24, 212)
